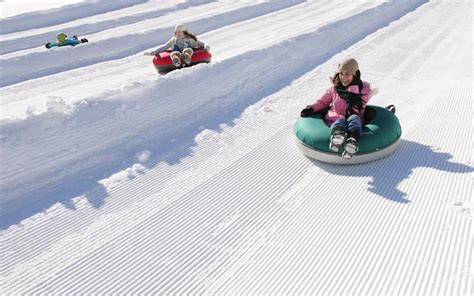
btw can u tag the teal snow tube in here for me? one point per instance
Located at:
(67, 42)
(380, 137)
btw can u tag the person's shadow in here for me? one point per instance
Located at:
(389, 172)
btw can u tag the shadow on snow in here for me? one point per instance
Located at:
(390, 172)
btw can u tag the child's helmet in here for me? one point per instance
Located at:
(61, 37)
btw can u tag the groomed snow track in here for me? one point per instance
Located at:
(120, 181)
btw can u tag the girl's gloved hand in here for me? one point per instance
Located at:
(306, 112)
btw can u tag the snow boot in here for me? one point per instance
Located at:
(338, 137)
(84, 40)
(352, 144)
(350, 148)
(176, 58)
(48, 45)
(187, 54)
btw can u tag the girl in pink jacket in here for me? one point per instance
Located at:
(345, 103)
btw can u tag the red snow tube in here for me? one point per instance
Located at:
(163, 63)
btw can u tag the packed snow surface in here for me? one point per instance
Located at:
(116, 180)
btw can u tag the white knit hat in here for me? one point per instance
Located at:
(180, 27)
(349, 65)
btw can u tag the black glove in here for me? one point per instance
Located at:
(307, 112)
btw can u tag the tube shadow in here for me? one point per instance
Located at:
(389, 172)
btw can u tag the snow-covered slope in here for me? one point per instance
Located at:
(62, 14)
(116, 180)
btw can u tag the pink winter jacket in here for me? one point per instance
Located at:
(337, 104)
